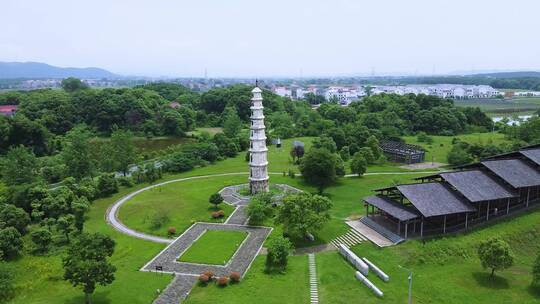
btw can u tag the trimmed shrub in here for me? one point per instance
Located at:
(204, 279)
(218, 214)
(215, 199)
(209, 274)
(222, 281)
(171, 231)
(234, 277)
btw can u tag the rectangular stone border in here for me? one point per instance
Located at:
(200, 235)
(240, 262)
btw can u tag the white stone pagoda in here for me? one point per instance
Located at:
(258, 162)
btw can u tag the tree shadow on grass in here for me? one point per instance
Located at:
(96, 298)
(534, 291)
(486, 280)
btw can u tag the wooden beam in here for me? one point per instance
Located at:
(528, 195)
(487, 212)
(422, 227)
(508, 206)
(406, 228)
(444, 224)
(466, 221)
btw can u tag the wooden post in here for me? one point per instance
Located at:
(406, 227)
(367, 210)
(508, 206)
(528, 194)
(487, 212)
(398, 227)
(422, 227)
(444, 225)
(466, 221)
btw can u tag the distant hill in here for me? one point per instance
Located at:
(508, 74)
(42, 70)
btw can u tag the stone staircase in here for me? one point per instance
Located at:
(394, 238)
(313, 283)
(349, 239)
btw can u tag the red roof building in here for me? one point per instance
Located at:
(8, 110)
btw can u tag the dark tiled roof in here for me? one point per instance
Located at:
(433, 199)
(532, 154)
(477, 186)
(392, 207)
(516, 172)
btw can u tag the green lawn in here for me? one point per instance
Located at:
(445, 270)
(181, 204)
(441, 145)
(260, 287)
(214, 247)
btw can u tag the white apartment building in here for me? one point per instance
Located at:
(441, 90)
(344, 95)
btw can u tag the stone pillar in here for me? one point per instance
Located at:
(258, 172)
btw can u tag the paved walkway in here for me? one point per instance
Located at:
(177, 290)
(239, 262)
(313, 284)
(239, 216)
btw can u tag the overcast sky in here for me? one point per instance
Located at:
(274, 37)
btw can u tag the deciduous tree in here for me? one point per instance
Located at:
(279, 249)
(86, 264)
(318, 167)
(495, 254)
(302, 213)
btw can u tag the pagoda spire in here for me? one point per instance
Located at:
(258, 162)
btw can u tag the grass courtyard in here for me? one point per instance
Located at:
(214, 247)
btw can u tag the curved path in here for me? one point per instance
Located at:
(112, 212)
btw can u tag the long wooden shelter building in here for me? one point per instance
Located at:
(457, 200)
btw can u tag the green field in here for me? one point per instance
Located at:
(181, 204)
(214, 247)
(498, 107)
(260, 287)
(441, 145)
(152, 144)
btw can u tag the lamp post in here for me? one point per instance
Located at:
(410, 282)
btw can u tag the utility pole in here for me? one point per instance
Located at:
(410, 282)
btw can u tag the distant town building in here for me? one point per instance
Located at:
(344, 95)
(8, 110)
